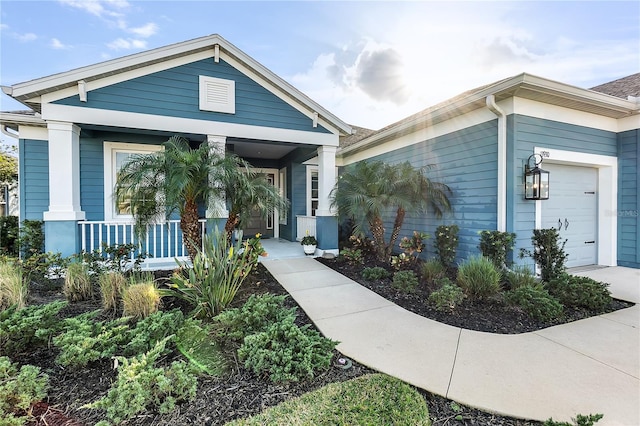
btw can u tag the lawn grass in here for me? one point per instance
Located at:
(374, 399)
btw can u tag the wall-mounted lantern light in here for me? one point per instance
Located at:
(536, 180)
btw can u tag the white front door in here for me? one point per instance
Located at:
(572, 209)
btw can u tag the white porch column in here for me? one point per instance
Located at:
(64, 172)
(326, 179)
(216, 206)
(326, 219)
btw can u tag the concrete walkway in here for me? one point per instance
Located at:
(589, 366)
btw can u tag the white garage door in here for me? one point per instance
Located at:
(572, 209)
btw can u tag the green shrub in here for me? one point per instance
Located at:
(140, 300)
(216, 276)
(9, 236)
(114, 257)
(19, 389)
(520, 276)
(13, 288)
(446, 244)
(112, 285)
(579, 420)
(194, 341)
(580, 292)
(478, 277)
(286, 352)
(375, 273)
(405, 281)
(548, 253)
(77, 283)
(447, 297)
(373, 399)
(352, 255)
(85, 340)
(432, 270)
(41, 267)
(496, 245)
(147, 332)
(402, 262)
(141, 387)
(414, 246)
(256, 315)
(31, 237)
(29, 326)
(535, 301)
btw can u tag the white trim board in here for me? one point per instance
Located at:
(607, 197)
(547, 111)
(182, 125)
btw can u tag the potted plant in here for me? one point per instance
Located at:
(309, 244)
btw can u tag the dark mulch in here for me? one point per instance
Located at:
(219, 400)
(492, 315)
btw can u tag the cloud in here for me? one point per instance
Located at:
(58, 45)
(380, 75)
(99, 8)
(122, 44)
(26, 37)
(146, 30)
(113, 13)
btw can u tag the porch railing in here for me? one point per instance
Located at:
(160, 241)
(305, 224)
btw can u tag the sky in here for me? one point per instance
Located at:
(369, 63)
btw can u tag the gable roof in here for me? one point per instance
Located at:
(622, 87)
(29, 92)
(522, 85)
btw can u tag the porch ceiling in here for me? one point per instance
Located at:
(267, 151)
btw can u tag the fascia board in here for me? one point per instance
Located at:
(7, 118)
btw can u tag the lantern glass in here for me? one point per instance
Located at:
(536, 184)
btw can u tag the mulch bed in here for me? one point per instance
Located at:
(219, 400)
(492, 315)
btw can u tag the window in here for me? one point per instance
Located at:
(282, 181)
(217, 95)
(115, 155)
(312, 190)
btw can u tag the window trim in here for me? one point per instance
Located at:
(282, 188)
(110, 150)
(310, 171)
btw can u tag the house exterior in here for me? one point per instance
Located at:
(480, 141)
(87, 121)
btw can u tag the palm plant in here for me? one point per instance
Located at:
(176, 179)
(248, 192)
(368, 190)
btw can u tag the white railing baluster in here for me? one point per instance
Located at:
(160, 241)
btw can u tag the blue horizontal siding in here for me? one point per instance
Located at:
(628, 198)
(34, 178)
(466, 160)
(175, 93)
(92, 178)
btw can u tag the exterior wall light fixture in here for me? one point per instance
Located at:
(536, 180)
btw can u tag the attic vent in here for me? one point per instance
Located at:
(217, 95)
